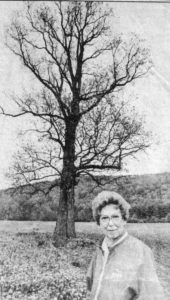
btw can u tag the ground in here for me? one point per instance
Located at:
(32, 268)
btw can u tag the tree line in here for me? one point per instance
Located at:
(148, 196)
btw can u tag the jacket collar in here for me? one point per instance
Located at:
(102, 243)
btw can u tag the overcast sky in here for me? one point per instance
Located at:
(150, 21)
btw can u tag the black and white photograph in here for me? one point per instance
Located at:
(85, 150)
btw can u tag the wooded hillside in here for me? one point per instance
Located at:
(149, 196)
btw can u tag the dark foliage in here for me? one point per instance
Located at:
(147, 194)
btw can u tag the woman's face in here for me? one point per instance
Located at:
(111, 222)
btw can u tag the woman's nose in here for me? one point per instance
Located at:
(111, 221)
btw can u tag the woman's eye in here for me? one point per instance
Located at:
(104, 218)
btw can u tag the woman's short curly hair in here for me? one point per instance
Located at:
(109, 197)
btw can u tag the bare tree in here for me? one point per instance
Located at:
(81, 66)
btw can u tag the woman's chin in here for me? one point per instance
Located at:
(113, 234)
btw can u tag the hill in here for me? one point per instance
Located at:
(149, 196)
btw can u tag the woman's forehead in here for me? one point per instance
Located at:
(110, 208)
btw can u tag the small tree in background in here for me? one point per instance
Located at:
(82, 68)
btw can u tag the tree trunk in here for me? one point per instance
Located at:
(65, 226)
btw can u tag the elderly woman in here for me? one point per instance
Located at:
(123, 266)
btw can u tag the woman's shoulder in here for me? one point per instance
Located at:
(138, 246)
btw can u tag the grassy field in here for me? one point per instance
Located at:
(31, 268)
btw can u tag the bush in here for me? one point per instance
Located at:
(32, 269)
(60, 288)
(167, 217)
(84, 214)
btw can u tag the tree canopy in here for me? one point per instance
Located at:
(81, 68)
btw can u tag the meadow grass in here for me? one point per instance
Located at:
(32, 268)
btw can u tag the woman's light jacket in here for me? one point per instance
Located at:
(125, 272)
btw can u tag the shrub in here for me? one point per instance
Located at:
(32, 268)
(167, 217)
(59, 288)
